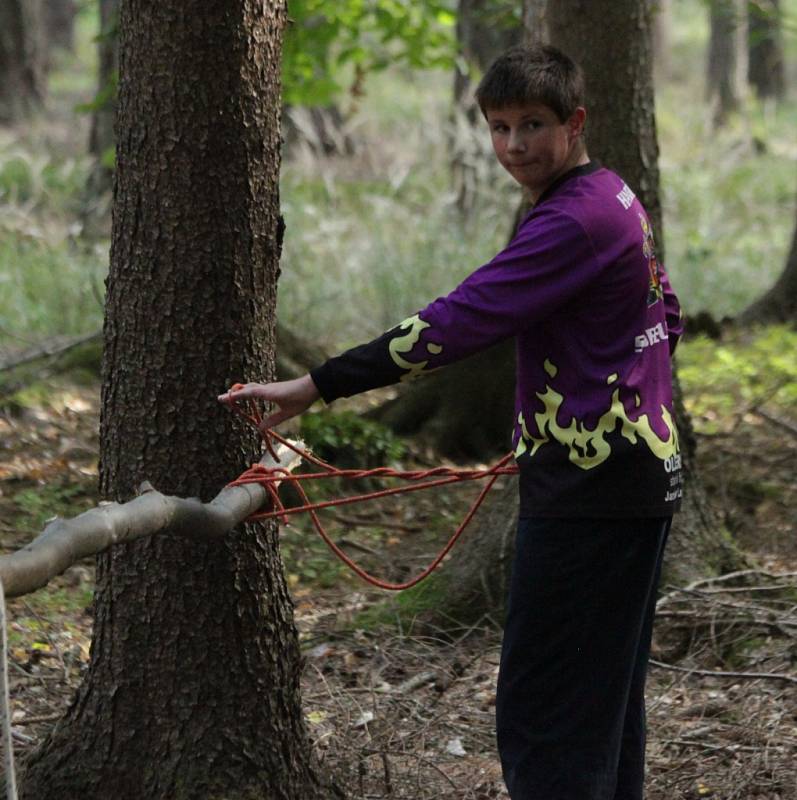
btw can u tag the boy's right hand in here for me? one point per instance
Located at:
(291, 397)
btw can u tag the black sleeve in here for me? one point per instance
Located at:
(367, 366)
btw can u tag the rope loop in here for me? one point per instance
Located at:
(416, 480)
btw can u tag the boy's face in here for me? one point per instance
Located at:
(533, 145)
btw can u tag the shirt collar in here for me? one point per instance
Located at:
(585, 169)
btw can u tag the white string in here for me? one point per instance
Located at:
(5, 703)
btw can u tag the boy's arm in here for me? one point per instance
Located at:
(672, 311)
(549, 260)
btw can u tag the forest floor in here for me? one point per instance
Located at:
(404, 711)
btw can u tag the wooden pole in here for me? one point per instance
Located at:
(65, 541)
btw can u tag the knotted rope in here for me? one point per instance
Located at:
(418, 480)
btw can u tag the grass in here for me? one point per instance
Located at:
(47, 289)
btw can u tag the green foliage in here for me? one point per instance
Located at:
(724, 381)
(16, 179)
(33, 615)
(105, 97)
(346, 437)
(51, 183)
(37, 504)
(408, 609)
(323, 39)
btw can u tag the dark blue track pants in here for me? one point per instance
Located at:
(570, 710)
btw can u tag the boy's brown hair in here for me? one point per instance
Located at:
(535, 74)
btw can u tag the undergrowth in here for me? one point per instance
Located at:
(747, 371)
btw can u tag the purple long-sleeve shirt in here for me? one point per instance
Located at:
(595, 322)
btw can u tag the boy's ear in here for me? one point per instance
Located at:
(577, 121)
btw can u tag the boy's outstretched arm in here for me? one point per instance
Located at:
(291, 397)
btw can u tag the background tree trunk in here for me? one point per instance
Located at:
(662, 39)
(765, 68)
(612, 42)
(726, 72)
(101, 137)
(193, 686)
(59, 18)
(22, 59)
(485, 29)
(622, 134)
(535, 21)
(779, 304)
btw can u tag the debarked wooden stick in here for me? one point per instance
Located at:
(65, 541)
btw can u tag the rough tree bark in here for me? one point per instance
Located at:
(22, 59)
(192, 691)
(726, 69)
(765, 55)
(779, 304)
(621, 132)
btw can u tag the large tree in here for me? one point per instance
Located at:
(193, 685)
(765, 55)
(726, 66)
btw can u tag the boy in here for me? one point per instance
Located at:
(595, 322)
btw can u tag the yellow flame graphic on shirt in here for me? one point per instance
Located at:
(588, 447)
(404, 344)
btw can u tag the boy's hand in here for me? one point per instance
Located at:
(291, 397)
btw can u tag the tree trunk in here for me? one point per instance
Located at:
(535, 21)
(193, 685)
(101, 137)
(321, 129)
(485, 29)
(779, 304)
(662, 39)
(765, 69)
(22, 82)
(622, 134)
(727, 58)
(612, 42)
(60, 23)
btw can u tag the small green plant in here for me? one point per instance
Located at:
(723, 381)
(347, 439)
(16, 179)
(408, 609)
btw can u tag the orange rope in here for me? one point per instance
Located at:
(437, 476)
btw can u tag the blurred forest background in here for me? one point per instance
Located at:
(390, 196)
(377, 157)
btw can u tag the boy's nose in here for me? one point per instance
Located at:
(515, 143)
